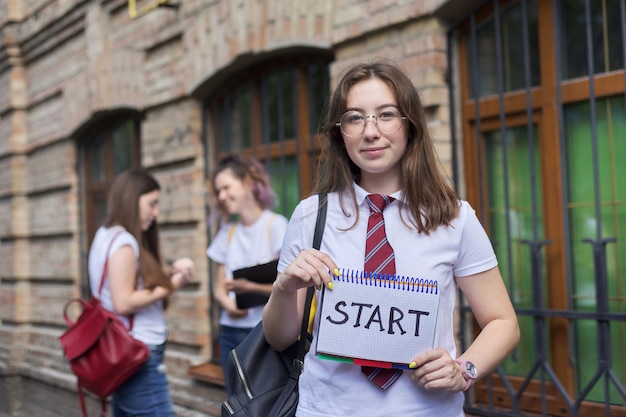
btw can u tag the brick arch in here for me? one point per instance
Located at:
(102, 116)
(210, 82)
(99, 163)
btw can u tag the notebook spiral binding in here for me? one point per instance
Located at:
(393, 281)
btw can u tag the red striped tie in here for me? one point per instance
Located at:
(379, 259)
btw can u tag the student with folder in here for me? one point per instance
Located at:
(246, 247)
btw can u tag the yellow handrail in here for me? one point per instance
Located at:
(134, 13)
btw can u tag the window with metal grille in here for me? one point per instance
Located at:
(107, 148)
(543, 112)
(272, 111)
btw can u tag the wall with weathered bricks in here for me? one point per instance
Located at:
(62, 63)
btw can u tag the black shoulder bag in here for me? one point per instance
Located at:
(264, 382)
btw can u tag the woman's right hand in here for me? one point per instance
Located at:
(233, 312)
(179, 280)
(309, 268)
(282, 315)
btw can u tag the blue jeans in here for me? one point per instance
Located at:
(146, 393)
(230, 337)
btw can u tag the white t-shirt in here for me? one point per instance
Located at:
(237, 246)
(149, 324)
(330, 388)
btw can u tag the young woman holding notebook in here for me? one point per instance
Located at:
(250, 234)
(390, 214)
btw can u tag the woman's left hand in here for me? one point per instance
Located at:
(183, 271)
(435, 369)
(239, 285)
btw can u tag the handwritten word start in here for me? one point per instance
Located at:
(367, 315)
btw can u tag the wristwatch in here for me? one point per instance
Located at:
(469, 372)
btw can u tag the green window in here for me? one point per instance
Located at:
(600, 171)
(514, 184)
(544, 138)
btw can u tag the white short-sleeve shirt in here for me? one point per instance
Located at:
(149, 323)
(329, 388)
(237, 246)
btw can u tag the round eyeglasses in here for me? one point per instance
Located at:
(352, 123)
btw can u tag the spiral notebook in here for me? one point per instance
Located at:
(377, 319)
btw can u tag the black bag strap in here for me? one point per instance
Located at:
(317, 242)
(321, 220)
(298, 363)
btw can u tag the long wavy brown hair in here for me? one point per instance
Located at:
(431, 200)
(123, 210)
